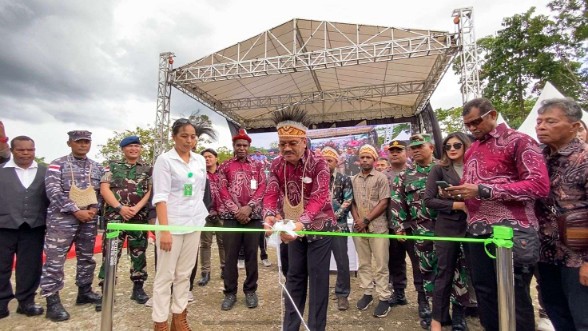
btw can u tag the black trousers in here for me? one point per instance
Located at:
(343, 284)
(397, 264)
(262, 248)
(27, 245)
(308, 275)
(447, 255)
(565, 299)
(233, 242)
(483, 272)
(284, 258)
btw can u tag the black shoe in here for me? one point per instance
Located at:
(424, 314)
(251, 300)
(364, 302)
(382, 309)
(205, 278)
(424, 309)
(471, 311)
(55, 310)
(139, 294)
(398, 298)
(85, 295)
(4, 312)
(228, 302)
(458, 319)
(30, 309)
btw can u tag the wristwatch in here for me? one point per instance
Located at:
(366, 221)
(4, 140)
(118, 208)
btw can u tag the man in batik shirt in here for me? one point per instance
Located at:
(341, 197)
(563, 269)
(504, 173)
(300, 181)
(241, 189)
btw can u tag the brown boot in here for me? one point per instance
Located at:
(179, 322)
(160, 326)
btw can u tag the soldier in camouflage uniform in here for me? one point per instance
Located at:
(408, 211)
(126, 189)
(70, 223)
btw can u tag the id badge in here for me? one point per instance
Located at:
(188, 190)
(253, 184)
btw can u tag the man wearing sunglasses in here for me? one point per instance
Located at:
(504, 173)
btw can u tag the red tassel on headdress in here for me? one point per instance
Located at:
(242, 135)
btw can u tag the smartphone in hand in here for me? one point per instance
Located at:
(442, 184)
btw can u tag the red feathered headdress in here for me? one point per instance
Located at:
(242, 135)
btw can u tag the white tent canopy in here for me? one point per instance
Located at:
(549, 92)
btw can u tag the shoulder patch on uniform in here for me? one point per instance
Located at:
(54, 167)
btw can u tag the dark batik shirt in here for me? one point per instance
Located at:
(568, 173)
(342, 197)
(213, 181)
(511, 171)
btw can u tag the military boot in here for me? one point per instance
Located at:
(55, 310)
(458, 319)
(85, 295)
(139, 294)
(205, 278)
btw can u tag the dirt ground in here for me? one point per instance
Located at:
(205, 313)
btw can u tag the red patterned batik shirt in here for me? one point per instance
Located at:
(240, 184)
(511, 174)
(312, 172)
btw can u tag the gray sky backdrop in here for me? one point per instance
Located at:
(93, 64)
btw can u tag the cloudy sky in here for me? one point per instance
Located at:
(93, 64)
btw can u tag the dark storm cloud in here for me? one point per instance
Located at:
(67, 61)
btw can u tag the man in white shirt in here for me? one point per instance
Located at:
(23, 208)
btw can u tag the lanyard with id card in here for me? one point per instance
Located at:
(189, 187)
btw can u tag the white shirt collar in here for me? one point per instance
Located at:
(11, 164)
(174, 155)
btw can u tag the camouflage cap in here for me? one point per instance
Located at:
(76, 135)
(398, 144)
(419, 139)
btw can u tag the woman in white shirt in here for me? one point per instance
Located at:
(179, 180)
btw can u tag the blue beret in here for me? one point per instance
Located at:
(129, 140)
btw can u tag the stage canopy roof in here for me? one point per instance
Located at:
(338, 72)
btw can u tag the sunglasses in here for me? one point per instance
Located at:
(477, 121)
(456, 146)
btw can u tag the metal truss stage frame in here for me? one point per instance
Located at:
(340, 73)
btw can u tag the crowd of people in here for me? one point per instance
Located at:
(495, 176)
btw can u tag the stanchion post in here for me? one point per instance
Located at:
(109, 279)
(505, 278)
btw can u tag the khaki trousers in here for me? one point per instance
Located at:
(174, 267)
(376, 249)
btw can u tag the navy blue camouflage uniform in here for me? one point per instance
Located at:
(63, 228)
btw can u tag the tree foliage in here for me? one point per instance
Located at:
(450, 120)
(531, 50)
(112, 151)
